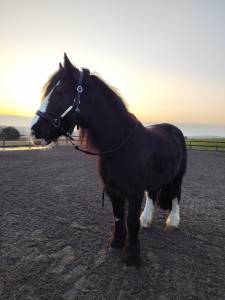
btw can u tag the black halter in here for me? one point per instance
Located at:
(56, 120)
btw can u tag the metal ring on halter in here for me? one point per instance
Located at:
(80, 89)
(56, 123)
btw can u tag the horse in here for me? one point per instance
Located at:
(133, 161)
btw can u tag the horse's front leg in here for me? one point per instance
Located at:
(132, 249)
(119, 234)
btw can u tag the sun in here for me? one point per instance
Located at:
(23, 84)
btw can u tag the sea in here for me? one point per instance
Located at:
(200, 130)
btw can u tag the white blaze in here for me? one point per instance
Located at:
(43, 106)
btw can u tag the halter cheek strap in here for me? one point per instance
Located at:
(76, 100)
(56, 122)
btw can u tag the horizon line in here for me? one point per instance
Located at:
(144, 122)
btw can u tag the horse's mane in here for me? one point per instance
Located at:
(50, 83)
(111, 94)
(113, 99)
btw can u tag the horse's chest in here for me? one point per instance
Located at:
(121, 174)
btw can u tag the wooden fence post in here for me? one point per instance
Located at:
(3, 141)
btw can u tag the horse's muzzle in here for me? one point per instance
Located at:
(39, 141)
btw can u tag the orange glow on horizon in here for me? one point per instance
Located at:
(154, 97)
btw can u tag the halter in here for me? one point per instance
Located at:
(56, 122)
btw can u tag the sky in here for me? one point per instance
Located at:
(165, 57)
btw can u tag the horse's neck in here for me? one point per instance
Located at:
(110, 127)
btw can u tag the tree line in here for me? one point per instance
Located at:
(9, 133)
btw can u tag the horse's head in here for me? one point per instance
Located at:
(64, 104)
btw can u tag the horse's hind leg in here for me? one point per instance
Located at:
(173, 219)
(118, 237)
(147, 214)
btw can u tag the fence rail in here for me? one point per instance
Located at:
(210, 144)
(26, 142)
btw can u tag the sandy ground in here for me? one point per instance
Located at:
(54, 233)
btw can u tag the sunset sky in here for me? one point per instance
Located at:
(166, 57)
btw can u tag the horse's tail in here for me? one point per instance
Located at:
(172, 190)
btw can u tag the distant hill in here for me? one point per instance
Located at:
(10, 120)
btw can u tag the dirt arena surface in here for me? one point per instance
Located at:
(54, 233)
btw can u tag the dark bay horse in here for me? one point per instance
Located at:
(134, 161)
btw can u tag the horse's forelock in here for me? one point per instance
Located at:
(51, 82)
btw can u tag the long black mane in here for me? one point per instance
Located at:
(111, 116)
(110, 94)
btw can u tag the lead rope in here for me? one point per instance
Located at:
(76, 147)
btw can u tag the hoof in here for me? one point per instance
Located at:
(132, 260)
(172, 221)
(169, 227)
(116, 243)
(131, 257)
(144, 223)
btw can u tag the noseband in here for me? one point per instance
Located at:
(57, 120)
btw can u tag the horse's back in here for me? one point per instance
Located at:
(170, 136)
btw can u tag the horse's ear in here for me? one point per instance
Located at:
(60, 66)
(67, 64)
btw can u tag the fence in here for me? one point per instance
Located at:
(25, 142)
(210, 144)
